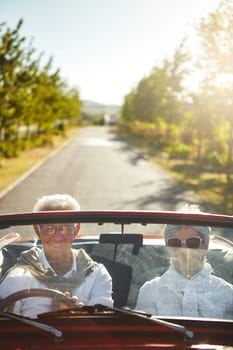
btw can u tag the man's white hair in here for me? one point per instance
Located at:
(56, 202)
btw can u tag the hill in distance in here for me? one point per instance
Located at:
(95, 108)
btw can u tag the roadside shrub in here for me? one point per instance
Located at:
(212, 162)
(179, 151)
(8, 150)
(44, 140)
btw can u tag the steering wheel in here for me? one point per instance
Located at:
(37, 292)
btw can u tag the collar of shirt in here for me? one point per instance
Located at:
(47, 266)
(173, 278)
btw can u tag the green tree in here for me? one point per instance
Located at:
(127, 111)
(31, 95)
(11, 52)
(199, 125)
(159, 95)
(216, 34)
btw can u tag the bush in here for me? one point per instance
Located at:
(8, 150)
(179, 151)
(212, 162)
(44, 140)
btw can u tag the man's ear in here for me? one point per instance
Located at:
(37, 230)
(76, 230)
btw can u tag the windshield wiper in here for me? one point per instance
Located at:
(189, 334)
(45, 327)
(135, 313)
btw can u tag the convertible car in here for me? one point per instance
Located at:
(132, 247)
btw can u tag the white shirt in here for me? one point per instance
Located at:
(203, 295)
(95, 289)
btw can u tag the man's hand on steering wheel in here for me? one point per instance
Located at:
(57, 304)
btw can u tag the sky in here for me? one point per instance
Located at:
(105, 47)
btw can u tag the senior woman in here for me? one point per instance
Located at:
(187, 288)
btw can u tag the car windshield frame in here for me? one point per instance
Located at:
(124, 236)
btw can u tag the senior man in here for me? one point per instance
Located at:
(57, 266)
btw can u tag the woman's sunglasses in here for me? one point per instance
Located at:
(191, 242)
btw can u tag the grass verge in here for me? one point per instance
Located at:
(214, 190)
(11, 169)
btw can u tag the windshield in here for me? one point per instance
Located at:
(166, 270)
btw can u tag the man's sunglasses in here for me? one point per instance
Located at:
(191, 242)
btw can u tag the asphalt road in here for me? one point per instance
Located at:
(102, 172)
